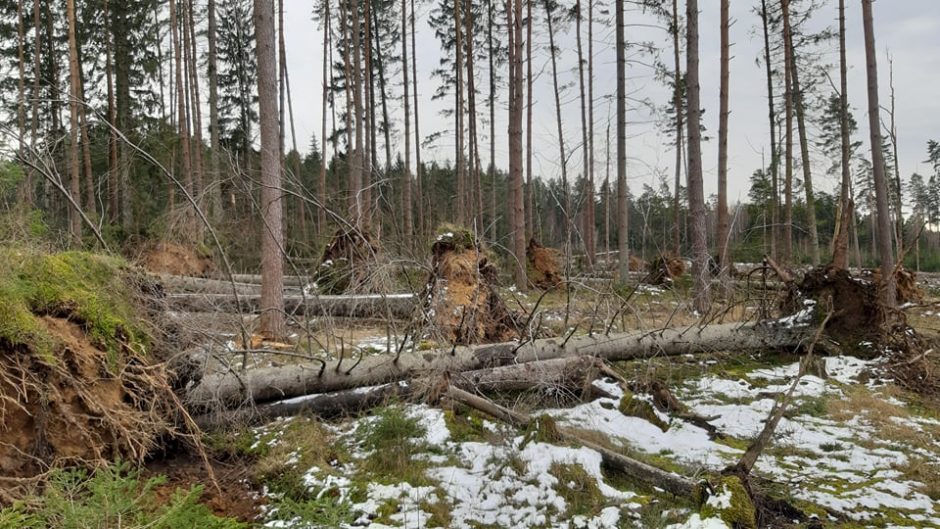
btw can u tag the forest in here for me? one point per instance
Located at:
(567, 264)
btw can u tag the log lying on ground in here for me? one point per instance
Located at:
(255, 279)
(572, 373)
(263, 385)
(398, 306)
(187, 284)
(642, 472)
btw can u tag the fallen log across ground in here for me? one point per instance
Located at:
(187, 284)
(275, 383)
(642, 472)
(396, 306)
(571, 373)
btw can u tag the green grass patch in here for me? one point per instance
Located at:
(579, 490)
(114, 496)
(393, 440)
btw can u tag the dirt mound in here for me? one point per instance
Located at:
(175, 259)
(906, 281)
(75, 386)
(665, 269)
(462, 304)
(543, 269)
(348, 263)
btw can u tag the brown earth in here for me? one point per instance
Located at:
(664, 269)
(543, 271)
(175, 259)
(462, 304)
(233, 498)
(83, 406)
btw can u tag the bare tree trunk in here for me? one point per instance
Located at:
(272, 236)
(113, 171)
(888, 293)
(798, 101)
(591, 216)
(369, 129)
(491, 168)
(787, 256)
(514, 15)
(34, 125)
(529, 190)
(562, 158)
(721, 238)
(458, 117)
(407, 226)
(215, 178)
(355, 170)
(196, 113)
(182, 121)
(700, 282)
(24, 191)
(422, 229)
(623, 209)
(677, 104)
(607, 198)
(475, 183)
(774, 150)
(327, 88)
(898, 210)
(295, 159)
(587, 223)
(75, 221)
(844, 193)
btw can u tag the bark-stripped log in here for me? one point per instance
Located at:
(262, 385)
(398, 306)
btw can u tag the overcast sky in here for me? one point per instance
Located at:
(909, 29)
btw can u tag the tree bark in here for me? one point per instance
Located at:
(514, 15)
(677, 104)
(528, 188)
(774, 150)
(266, 384)
(700, 282)
(587, 223)
(358, 155)
(787, 255)
(458, 117)
(419, 170)
(196, 114)
(888, 293)
(75, 221)
(407, 217)
(182, 120)
(623, 208)
(723, 234)
(799, 104)
(844, 193)
(562, 157)
(327, 87)
(272, 236)
(591, 215)
(215, 178)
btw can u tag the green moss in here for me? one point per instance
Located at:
(91, 290)
(542, 429)
(736, 511)
(464, 425)
(579, 490)
(631, 406)
(459, 238)
(392, 440)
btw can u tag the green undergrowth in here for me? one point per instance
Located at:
(88, 289)
(392, 440)
(113, 496)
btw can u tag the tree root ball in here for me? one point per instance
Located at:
(543, 270)
(347, 263)
(462, 305)
(664, 269)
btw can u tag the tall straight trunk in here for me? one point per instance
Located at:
(34, 121)
(798, 102)
(475, 183)
(181, 112)
(787, 255)
(113, 187)
(607, 199)
(700, 282)
(21, 81)
(561, 135)
(514, 17)
(877, 158)
(327, 87)
(623, 211)
(491, 168)
(272, 236)
(587, 223)
(592, 217)
(75, 222)
(196, 112)
(407, 226)
(160, 80)
(529, 188)
(721, 238)
(462, 216)
(369, 130)
(419, 169)
(677, 104)
(898, 210)
(355, 171)
(55, 104)
(844, 192)
(89, 179)
(774, 149)
(215, 177)
(383, 93)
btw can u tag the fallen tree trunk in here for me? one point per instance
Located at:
(648, 474)
(187, 284)
(263, 385)
(398, 306)
(255, 279)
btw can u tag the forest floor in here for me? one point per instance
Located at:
(854, 449)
